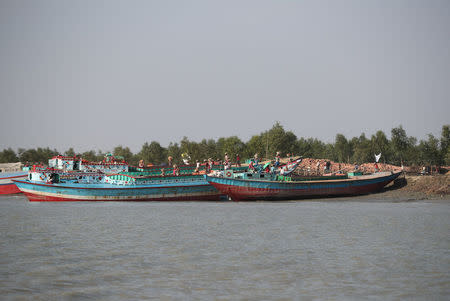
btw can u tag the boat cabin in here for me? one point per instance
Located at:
(65, 163)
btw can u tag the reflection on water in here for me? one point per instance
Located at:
(225, 251)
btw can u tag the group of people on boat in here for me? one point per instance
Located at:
(274, 166)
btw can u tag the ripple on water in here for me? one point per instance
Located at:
(134, 251)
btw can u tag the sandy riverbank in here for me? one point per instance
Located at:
(422, 187)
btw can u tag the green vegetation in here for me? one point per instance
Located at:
(397, 150)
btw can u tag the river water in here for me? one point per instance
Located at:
(346, 249)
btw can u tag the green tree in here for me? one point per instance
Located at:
(8, 156)
(70, 152)
(380, 144)
(174, 151)
(40, 155)
(125, 152)
(90, 156)
(231, 145)
(447, 157)
(313, 148)
(277, 139)
(153, 153)
(342, 148)
(192, 148)
(412, 153)
(27, 155)
(329, 152)
(303, 147)
(208, 149)
(362, 149)
(399, 144)
(445, 145)
(255, 145)
(429, 150)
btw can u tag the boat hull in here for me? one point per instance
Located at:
(7, 186)
(194, 191)
(243, 189)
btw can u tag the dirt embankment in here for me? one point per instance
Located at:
(430, 185)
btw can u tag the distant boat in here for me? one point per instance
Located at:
(247, 186)
(119, 187)
(7, 186)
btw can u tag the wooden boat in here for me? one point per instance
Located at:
(120, 187)
(240, 187)
(7, 186)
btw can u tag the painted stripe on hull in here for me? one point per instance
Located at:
(37, 198)
(9, 179)
(261, 190)
(49, 192)
(7, 186)
(46, 196)
(14, 175)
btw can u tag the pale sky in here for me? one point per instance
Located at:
(97, 74)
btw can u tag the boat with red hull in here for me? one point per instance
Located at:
(244, 189)
(7, 186)
(119, 187)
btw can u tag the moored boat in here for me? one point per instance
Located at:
(7, 186)
(121, 187)
(273, 187)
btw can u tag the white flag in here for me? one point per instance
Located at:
(377, 157)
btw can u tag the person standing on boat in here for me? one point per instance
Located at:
(256, 159)
(176, 170)
(277, 159)
(226, 161)
(141, 164)
(250, 166)
(170, 160)
(197, 166)
(210, 163)
(238, 160)
(206, 166)
(272, 169)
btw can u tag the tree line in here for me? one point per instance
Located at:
(399, 149)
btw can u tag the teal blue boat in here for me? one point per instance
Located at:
(266, 186)
(120, 187)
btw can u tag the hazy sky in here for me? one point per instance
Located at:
(97, 74)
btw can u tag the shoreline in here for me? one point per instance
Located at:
(413, 188)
